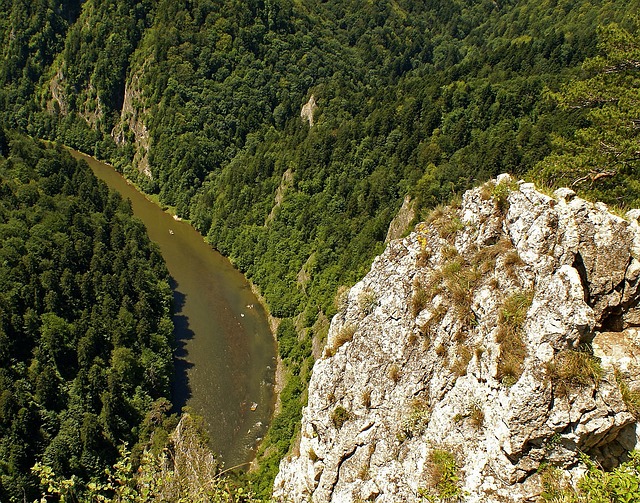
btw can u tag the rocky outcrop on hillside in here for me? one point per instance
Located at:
(88, 102)
(131, 128)
(308, 110)
(463, 363)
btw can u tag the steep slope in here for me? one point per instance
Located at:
(85, 322)
(199, 102)
(461, 365)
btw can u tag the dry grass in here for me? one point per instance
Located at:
(513, 350)
(487, 256)
(367, 301)
(394, 373)
(630, 397)
(340, 300)
(450, 228)
(344, 335)
(512, 260)
(464, 355)
(421, 297)
(339, 416)
(460, 280)
(416, 422)
(438, 213)
(443, 477)
(476, 416)
(366, 398)
(514, 310)
(423, 257)
(486, 190)
(449, 253)
(436, 318)
(572, 368)
(445, 221)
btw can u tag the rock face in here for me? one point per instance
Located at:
(462, 364)
(308, 109)
(132, 128)
(400, 224)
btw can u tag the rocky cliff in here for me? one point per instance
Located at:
(497, 339)
(132, 127)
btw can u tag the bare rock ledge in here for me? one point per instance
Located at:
(472, 340)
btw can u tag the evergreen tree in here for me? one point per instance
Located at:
(603, 158)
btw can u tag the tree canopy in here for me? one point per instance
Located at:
(603, 157)
(85, 327)
(199, 103)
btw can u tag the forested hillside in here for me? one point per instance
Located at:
(85, 327)
(199, 102)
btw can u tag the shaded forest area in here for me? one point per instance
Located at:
(85, 321)
(418, 98)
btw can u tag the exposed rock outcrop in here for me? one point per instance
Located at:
(285, 184)
(308, 109)
(400, 223)
(468, 347)
(57, 94)
(131, 128)
(89, 106)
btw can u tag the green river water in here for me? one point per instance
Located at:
(225, 357)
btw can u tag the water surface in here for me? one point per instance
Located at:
(225, 359)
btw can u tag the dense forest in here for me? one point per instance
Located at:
(199, 102)
(85, 327)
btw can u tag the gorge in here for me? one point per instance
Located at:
(225, 357)
(409, 104)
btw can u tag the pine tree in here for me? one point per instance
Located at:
(601, 157)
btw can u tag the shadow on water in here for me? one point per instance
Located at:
(181, 390)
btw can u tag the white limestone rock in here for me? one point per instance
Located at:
(426, 368)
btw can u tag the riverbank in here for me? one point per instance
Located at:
(226, 354)
(274, 322)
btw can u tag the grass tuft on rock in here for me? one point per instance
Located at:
(513, 350)
(575, 368)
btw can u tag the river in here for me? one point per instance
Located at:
(225, 355)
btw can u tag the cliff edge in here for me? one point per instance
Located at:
(497, 339)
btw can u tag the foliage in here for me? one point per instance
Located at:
(630, 396)
(444, 478)
(339, 416)
(575, 368)
(500, 194)
(85, 327)
(602, 158)
(416, 422)
(621, 485)
(184, 470)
